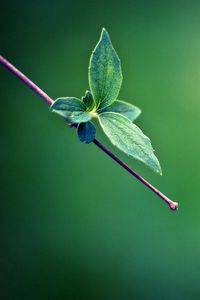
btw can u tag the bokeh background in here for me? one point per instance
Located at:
(74, 225)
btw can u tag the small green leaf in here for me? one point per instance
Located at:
(68, 104)
(72, 109)
(129, 138)
(105, 76)
(88, 100)
(126, 109)
(86, 132)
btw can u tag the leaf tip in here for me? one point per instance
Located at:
(104, 33)
(159, 170)
(139, 111)
(156, 165)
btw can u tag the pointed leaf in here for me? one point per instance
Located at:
(86, 132)
(88, 101)
(105, 76)
(129, 138)
(72, 109)
(126, 109)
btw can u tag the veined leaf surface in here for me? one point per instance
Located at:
(86, 132)
(129, 138)
(126, 109)
(72, 109)
(105, 76)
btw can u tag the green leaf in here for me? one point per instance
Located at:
(126, 109)
(72, 109)
(105, 76)
(78, 117)
(129, 138)
(68, 104)
(88, 101)
(86, 132)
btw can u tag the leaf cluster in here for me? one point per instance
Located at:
(101, 102)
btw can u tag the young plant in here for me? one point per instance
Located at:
(115, 116)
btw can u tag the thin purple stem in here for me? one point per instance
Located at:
(172, 205)
(46, 98)
(26, 80)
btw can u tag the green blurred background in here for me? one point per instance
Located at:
(74, 225)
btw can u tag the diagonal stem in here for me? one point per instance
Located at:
(46, 98)
(172, 205)
(26, 80)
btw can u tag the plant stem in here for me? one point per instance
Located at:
(172, 205)
(26, 80)
(46, 98)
